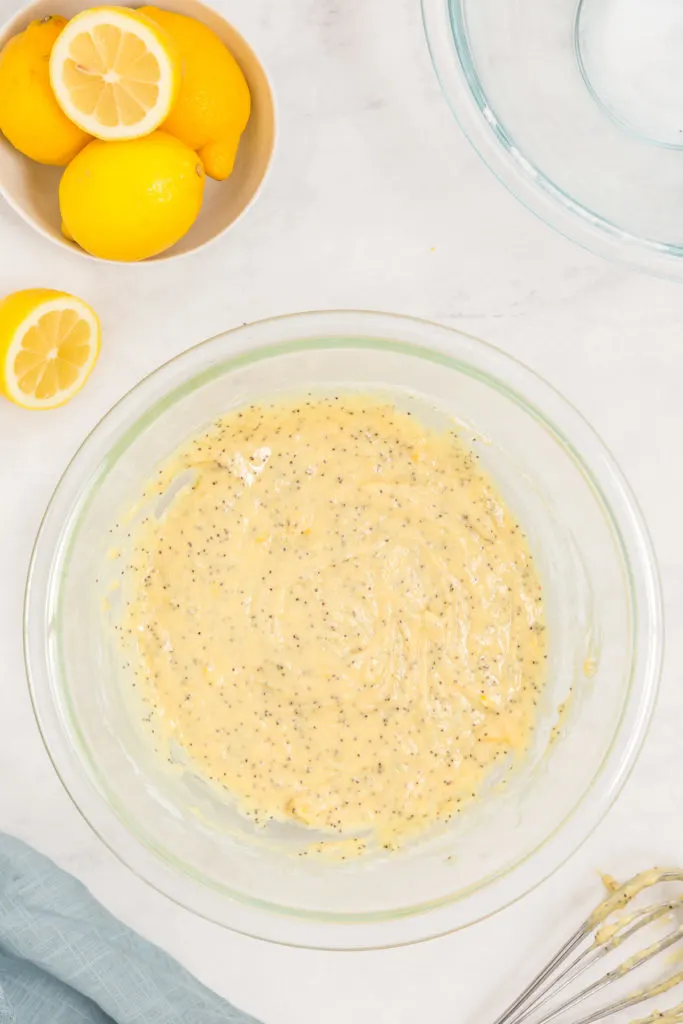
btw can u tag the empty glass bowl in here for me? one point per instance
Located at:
(577, 106)
(602, 603)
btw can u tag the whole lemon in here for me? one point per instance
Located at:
(133, 199)
(30, 117)
(214, 104)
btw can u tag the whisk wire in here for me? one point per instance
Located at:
(522, 1003)
(631, 964)
(554, 985)
(538, 1002)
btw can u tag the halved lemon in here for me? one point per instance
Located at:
(49, 343)
(115, 73)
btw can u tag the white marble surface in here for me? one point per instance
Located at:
(375, 201)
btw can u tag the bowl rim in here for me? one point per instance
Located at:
(14, 25)
(448, 45)
(445, 346)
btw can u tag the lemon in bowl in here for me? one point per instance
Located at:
(213, 105)
(30, 117)
(115, 73)
(132, 199)
(32, 189)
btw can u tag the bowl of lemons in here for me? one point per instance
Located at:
(131, 134)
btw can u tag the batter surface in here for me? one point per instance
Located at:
(337, 617)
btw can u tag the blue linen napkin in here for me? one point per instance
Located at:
(65, 960)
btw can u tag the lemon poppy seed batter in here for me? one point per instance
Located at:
(337, 617)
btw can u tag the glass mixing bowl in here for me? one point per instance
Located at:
(577, 106)
(603, 611)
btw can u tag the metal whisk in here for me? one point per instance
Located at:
(555, 993)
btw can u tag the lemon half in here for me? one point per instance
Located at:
(115, 73)
(49, 343)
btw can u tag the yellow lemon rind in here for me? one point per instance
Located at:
(18, 314)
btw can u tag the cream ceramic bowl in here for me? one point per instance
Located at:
(32, 188)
